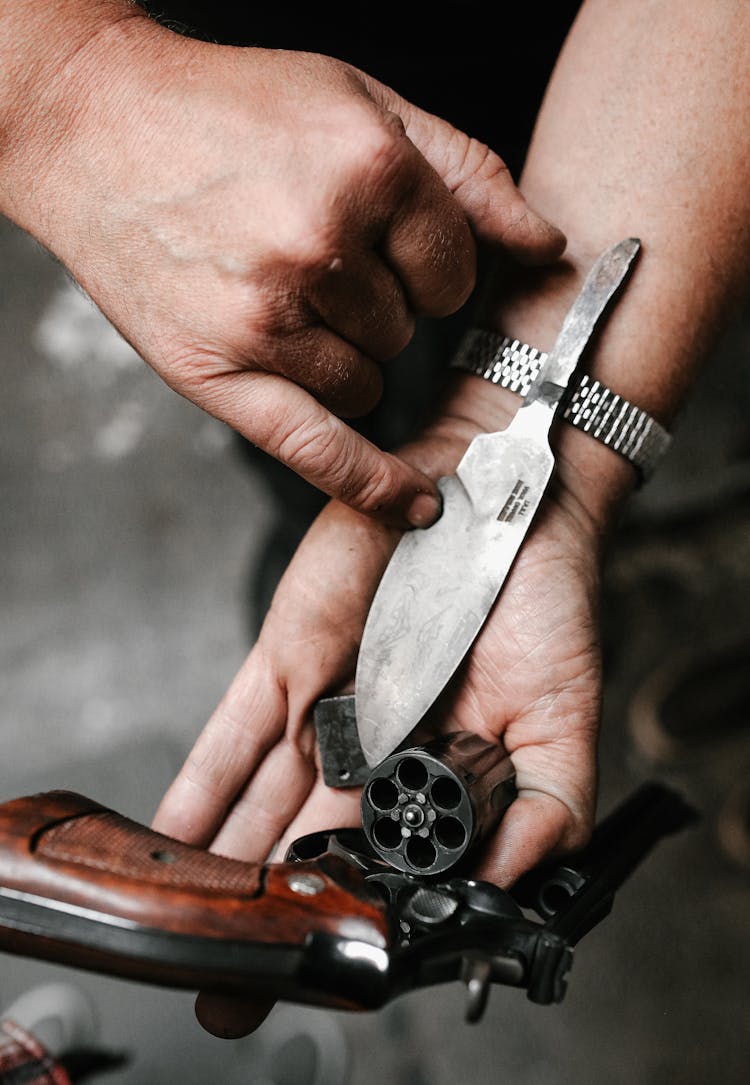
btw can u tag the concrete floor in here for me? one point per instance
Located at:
(129, 527)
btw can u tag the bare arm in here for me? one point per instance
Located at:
(263, 226)
(643, 131)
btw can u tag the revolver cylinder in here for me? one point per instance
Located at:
(425, 806)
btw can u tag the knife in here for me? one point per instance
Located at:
(441, 582)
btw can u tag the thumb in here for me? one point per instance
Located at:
(480, 181)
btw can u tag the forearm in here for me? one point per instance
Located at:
(643, 132)
(55, 57)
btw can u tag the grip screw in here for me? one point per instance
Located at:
(307, 885)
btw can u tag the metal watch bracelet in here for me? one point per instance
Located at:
(590, 406)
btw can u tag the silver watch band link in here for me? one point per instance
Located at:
(591, 407)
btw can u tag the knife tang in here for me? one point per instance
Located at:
(87, 887)
(602, 281)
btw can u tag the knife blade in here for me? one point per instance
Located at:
(441, 582)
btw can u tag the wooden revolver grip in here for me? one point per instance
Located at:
(84, 886)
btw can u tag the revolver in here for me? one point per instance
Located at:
(336, 924)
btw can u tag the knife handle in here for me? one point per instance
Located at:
(84, 886)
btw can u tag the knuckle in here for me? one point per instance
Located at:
(482, 183)
(315, 448)
(370, 150)
(310, 242)
(193, 372)
(353, 395)
(376, 490)
(377, 150)
(208, 772)
(516, 220)
(393, 124)
(476, 163)
(386, 326)
(381, 137)
(451, 259)
(310, 443)
(275, 315)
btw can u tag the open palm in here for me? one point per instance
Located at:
(252, 780)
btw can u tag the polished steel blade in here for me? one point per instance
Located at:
(441, 582)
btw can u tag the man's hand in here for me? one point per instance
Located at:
(252, 782)
(263, 226)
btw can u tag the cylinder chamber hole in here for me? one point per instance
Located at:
(445, 793)
(386, 833)
(412, 774)
(420, 853)
(450, 833)
(383, 793)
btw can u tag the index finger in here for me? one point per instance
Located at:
(247, 722)
(293, 427)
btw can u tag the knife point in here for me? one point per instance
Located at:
(631, 245)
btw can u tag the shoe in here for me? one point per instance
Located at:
(48, 1036)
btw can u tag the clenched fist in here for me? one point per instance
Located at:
(263, 226)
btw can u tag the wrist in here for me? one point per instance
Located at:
(622, 353)
(613, 434)
(591, 479)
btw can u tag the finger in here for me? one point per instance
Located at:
(326, 808)
(498, 212)
(248, 721)
(290, 425)
(268, 804)
(481, 183)
(360, 299)
(230, 1018)
(533, 828)
(429, 245)
(317, 359)
(557, 784)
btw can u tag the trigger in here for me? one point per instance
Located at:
(476, 973)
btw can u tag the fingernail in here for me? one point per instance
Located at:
(424, 510)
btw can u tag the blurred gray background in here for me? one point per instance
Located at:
(130, 530)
